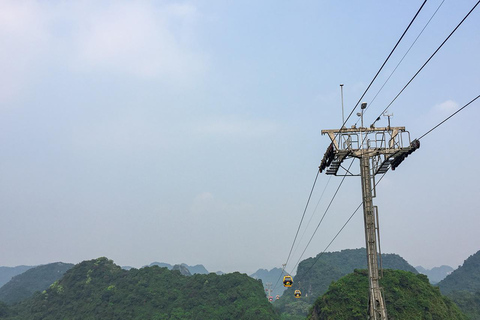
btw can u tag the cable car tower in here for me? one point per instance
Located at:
(378, 149)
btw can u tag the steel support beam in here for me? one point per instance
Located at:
(378, 149)
(376, 307)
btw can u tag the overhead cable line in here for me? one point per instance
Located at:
(366, 90)
(354, 212)
(401, 60)
(451, 33)
(324, 214)
(341, 229)
(313, 213)
(303, 216)
(298, 229)
(385, 62)
(449, 117)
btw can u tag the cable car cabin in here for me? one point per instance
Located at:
(287, 281)
(297, 293)
(270, 298)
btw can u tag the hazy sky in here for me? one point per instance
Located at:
(180, 131)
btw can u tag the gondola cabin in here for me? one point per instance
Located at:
(270, 298)
(297, 293)
(287, 281)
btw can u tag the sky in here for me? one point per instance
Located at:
(190, 131)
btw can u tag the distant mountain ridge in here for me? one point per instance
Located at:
(7, 273)
(99, 289)
(196, 269)
(182, 269)
(270, 277)
(436, 274)
(39, 278)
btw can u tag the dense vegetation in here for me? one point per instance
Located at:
(463, 286)
(35, 279)
(99, 289)
(314, 276)
(466, 277)
(407, 296)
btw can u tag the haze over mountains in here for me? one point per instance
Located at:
(314, 278)
(99, 289)
(436, 274)
(267, 276)
(271, 279)
(7, 273)
(24, 285)
(196, 269)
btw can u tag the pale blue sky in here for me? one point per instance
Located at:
(190, 131)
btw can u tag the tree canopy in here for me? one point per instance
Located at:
(99, 289)
(407, 296)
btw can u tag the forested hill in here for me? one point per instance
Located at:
(37, 278)
(99, 289)
(314, 275)
(465, 278)
(407, 296)
(463, 286)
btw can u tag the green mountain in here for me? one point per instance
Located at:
(38, 278)
(465, 278)
(314, 275)
(407, 296)
(99, 289)
(7, 273)
(463, 286)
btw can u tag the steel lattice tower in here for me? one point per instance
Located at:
(378, 149)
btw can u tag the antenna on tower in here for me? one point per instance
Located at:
(343, 115)
(388, 115)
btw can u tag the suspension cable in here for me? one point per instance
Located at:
(401, 60)
(324, 214)
(366, 90)
(449, 117)
(303, 215)
(341, 229)
(385, 62)
(429, 58)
